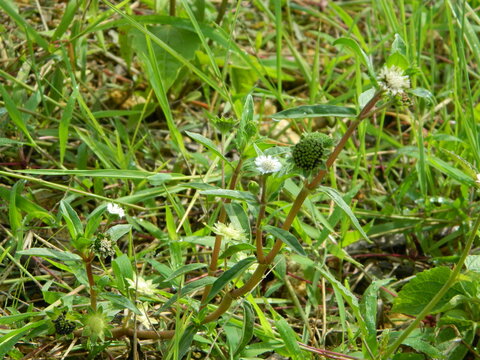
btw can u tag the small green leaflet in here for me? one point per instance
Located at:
(287, 238)
(311, 111)
(208, 144)
(50, 253)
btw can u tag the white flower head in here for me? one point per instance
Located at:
(114, 209)
(267, 164)
(231, 232)
(478, 179)
(393, 80)
(145, 287)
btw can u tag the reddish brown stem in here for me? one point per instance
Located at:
(218, 239)
(302, 195)
(91, 282)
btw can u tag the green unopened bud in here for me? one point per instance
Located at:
(308, 153)
(223, 125)
(253, 187)
(96, 326)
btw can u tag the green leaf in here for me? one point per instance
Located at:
(122, 267)
(415, 295)
(50, 253)
(232, 194)
(6, 320)
(287, 238)
(347, 295)
(420, 345)
(472, 263)
(160, 179)
(67, 19)
(312, 111)
(337, 198)
(289, 337)
(245, 121)
(104, 173)
(117, 231)
(238, 215)
(186, 341)
(247, 327)
(183, 42)
(65, 122)
(74, 224)
(121, 302)
(14, 113)
(399, 46)
(228, 275)
(361, 55)
(12, 337)
(423, 93)
(209, 145)
(94, 220)
(397, 59)
(185, 269)
(14, 215)
(368, 307)
(187, 289)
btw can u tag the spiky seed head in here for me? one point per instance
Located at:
(308, 153)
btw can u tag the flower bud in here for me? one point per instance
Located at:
(308, 153)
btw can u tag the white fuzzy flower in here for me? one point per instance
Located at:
(267, 164)
(231, 232)
(145, 287)
(478, 179)
(115, 210)
(392, 80)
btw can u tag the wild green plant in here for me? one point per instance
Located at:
(251, 227)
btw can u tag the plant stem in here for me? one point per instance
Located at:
(257, 276)
(218, 239)
(88, 267)
(221, 11)
(172, 7)
(428, 308)
(261, 215)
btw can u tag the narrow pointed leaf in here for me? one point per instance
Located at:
(287, 238)
(228, 275)
(313, 111)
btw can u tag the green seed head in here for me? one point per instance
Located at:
(308, 153)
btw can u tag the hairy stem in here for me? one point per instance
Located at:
(93, 295)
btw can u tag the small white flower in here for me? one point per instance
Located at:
(145, 287)
(144, 319)
(115, 210)
(478, 179)
(392, 80)
(232, 231)
(267, 164)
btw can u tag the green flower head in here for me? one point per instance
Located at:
(309, 152)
